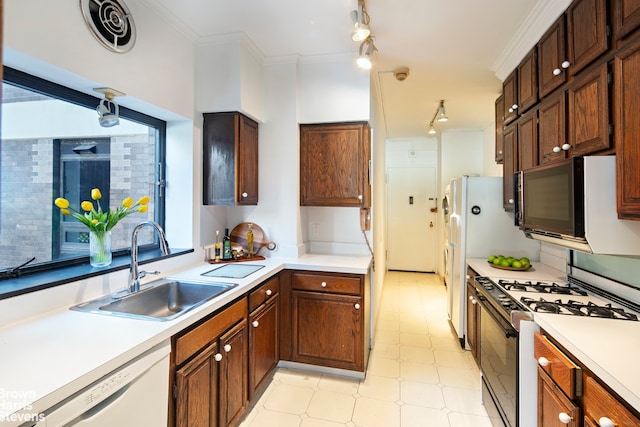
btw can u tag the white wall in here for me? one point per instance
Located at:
(461, 153)
(55, 44)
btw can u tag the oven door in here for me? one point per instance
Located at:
(498, 364)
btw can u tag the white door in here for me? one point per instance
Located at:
(412, 204)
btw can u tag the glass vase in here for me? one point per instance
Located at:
(100, 249)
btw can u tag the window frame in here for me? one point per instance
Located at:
(148, 252)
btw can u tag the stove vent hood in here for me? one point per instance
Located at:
(604, 233)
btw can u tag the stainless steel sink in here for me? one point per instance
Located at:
(161, 300)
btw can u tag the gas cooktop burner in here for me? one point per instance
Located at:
(540, 287)
(577, 308)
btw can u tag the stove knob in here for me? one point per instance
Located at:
(605, 422)
(564, 418)
(543, 361)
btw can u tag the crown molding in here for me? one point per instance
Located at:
(534, 26)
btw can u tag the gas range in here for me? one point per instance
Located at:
(551, 297)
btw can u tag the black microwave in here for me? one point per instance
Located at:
(549, 199)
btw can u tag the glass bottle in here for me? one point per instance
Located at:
(250, 241)
(218, 246)
(226, 245)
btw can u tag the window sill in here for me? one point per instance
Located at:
(50, 278)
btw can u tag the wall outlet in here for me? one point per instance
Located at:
(315, 229)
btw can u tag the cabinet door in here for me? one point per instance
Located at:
(328, 330)
(626, 16)
(528, 81)
(552, 403)
(334, 165)
(586, 32)
(509, 166)
(473, 321)
(627, 133)
(247, 188)
(499, 156)
(197, 396)
(588, 104)
(263, 344)
(551, 55)
(510, 93)
(599, 403)
(528, 140)
(552, 129)
(233, 374)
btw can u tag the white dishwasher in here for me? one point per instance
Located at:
(136, 394)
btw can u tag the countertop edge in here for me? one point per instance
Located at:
(158, 332)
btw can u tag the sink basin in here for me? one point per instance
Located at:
(161, 300)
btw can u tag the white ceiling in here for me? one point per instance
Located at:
(450, 47)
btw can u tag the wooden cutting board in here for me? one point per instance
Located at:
(239, 237)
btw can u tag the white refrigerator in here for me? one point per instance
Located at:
(478, 227)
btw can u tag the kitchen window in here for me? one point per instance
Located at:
(53, 146)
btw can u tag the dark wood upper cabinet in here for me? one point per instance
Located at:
(509, 166)
(551, 56)
(588, 111)
(627, 130)
(626, 17)
(528, 140)
(528, 82)
(499, 129)
(230, 159)
(510, 94)
(334, 164)
(587, 32)
(552, 129)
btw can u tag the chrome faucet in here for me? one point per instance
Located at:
(134, 274)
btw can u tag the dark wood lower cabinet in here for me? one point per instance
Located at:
(263, 344)
(233, 374)
(554, 408)
(196, 390)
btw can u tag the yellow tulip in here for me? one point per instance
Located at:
(128, 202)
(143, 208)
(96, 194)
(86, 206)
(144, 200)
(94, 221)
(61, 203)
(65, 211)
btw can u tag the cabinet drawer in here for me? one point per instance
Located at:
(266, 291)
(599, 403)
(189, 343)
(566, 374)
(336, 284)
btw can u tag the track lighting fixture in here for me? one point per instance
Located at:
(360, 19)
(367, 48)
(108, 110)
(440, 115)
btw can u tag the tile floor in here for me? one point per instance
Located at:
(417, 375)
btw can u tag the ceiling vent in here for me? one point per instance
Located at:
(110, 23)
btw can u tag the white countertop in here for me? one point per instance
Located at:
(45, 359)
(607, 347)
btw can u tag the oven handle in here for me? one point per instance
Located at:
(508, 330)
